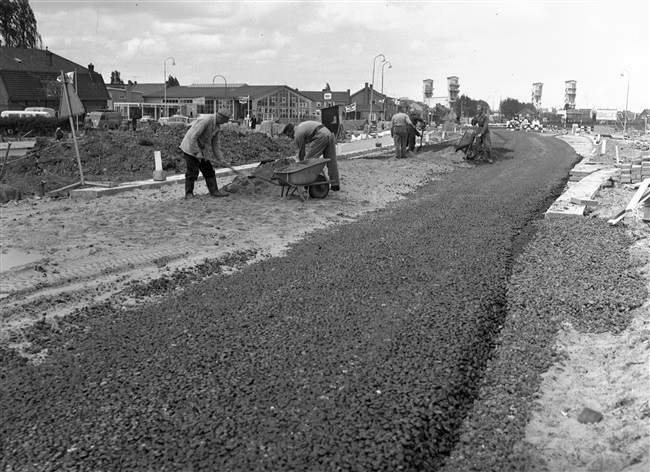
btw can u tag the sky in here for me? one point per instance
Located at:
(497, 49)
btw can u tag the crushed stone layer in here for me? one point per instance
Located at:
(363, 348)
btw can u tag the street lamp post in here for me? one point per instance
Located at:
(497, 90)
(372, 85)
(165, 81)
(383, 103)
(627, 97)
(225, 82)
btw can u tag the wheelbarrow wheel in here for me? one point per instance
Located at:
(472, 152)
(319, 191)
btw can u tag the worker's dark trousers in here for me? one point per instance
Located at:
(411, 140)
(324, 143)
(400, 138)
(485, 143)
(195, 165)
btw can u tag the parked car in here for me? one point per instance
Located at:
(106, 119)
(177, 120)
(49, 111)
(146, 119)
(24, 114)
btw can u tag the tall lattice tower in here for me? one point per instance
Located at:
(453, 89)
(427, 91)
(537, 94)
(570, 90)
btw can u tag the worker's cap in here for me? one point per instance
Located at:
(224, 112)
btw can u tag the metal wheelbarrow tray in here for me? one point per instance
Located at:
(304, 174)
(467, 144)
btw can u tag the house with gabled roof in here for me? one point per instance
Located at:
(28, 78)
(383, 107)
(327, 98)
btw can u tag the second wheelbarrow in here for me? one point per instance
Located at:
(468, 145)
(304, 177)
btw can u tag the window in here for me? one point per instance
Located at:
(318, 104)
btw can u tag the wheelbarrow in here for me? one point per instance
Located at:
(304, 177)
(468, 145)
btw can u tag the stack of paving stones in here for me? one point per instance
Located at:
(637, 170)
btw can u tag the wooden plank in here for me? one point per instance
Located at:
(639, 193)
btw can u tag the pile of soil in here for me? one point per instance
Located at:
(123, 156)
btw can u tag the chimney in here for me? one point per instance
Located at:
(48, 55)
(91, 68)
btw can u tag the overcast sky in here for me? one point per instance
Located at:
(496, 49)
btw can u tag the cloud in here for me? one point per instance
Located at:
(505, 45)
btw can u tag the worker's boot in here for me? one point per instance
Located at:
(488, 157)
(211, 182)
(189, 189)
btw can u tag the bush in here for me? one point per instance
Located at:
(34, 127)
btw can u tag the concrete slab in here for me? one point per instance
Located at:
(17, 148)
(580, 194)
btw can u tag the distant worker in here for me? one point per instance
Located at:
(484, 141)
(135, 116)
(399, 130)
(314, 139)
(203, 133)
(413, 130)
(253, 122)
(88, 125)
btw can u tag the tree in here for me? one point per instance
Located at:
(18, 25)
(466, 106)
(511, 107)
(115, 78)
(172, 82)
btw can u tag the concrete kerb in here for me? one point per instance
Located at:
(95, 192)
(579, 193)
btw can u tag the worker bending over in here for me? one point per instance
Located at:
(314, 139)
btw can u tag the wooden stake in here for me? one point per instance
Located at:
(74, 135)
(4, 164)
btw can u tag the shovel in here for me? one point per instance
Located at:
(223, 164)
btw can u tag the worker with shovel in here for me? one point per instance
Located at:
(483, 139)
(204, 133)
(413, 130)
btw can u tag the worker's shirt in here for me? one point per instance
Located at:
(400, 119)
(200, 135)
(304, 133)
(481, 120)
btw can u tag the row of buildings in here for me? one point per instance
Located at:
(29, 78)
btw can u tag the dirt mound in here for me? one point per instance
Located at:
(122, 156)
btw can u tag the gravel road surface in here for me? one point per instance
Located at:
(361, 349)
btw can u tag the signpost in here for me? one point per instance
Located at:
(70, 105)
(606, 115)
(246, 100)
